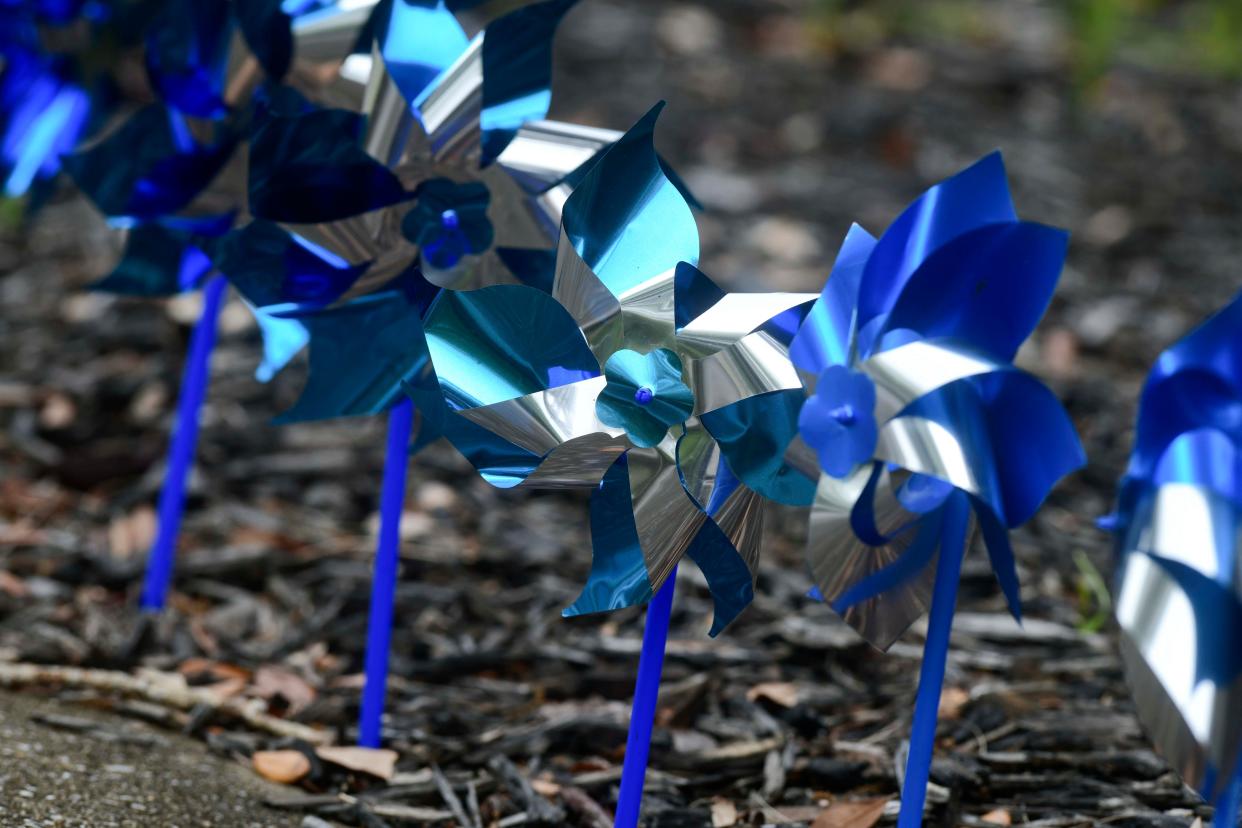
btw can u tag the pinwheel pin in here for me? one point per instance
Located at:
(607, 384)
(1178, 528)
(919, 420)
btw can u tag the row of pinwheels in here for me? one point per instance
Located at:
(379, 185)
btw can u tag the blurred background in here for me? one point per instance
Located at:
(1120, 120)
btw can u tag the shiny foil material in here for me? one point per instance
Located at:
(442, 112)
(172, 176)
(917, 406)
(607, 383)
(362, 218)
(1178, 528)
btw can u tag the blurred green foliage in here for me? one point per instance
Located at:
(1194, 36)
(11, 212)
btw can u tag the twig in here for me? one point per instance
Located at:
(168, 689)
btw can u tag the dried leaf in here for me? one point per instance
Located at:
(724, 813)
(998, 817)
(277, 681)
(545, 787)
(378, 762)
(783, 693)
(284, 766)
(860, 813)
(952, 700)
(193, 668)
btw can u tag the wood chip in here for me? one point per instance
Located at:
(782, 693)
(998, 817)
(283, 766)
(724, 813)
(952, 700)
(862, 813)
(378, 762)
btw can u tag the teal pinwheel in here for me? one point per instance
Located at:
(607, 382)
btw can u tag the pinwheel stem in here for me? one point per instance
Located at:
(935, 655)
(384, 578)
(1227, 810)
(181, 451)
(642, 714)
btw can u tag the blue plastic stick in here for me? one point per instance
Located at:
(384, 578)
(1227, 810)
(935, 654)
(647, 686)
(642, 714)
(181, 451)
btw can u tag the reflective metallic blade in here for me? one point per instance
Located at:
(734, 316)
(756, 364)
(666, 518)
(910, 371)
(1171, 635)
(544, 152)
(838, 559)
(921, 445)
(545, 420)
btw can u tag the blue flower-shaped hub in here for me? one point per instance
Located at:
(644, 395)
(838, 421)
(449, 221)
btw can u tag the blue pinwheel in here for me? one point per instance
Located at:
(607, 383)
(45, 106)
(169, 177)
(920, 420)
(449, 167)
(1178, 528)
(387, 200)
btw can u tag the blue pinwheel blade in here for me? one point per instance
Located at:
(418, 40)
(825, 337)
(753, 435)
(270, 266)
(1195, 384)
(283, 339)
(517, 72)
(157, 261)
(187, 46)
(306, 167)
(618, 575)
(149, 167)
(1018, 439)
(626, 219)
(43, 114)
(693, 294)
(484, 350)
(975, 197)
(987, 288)
(363, 355)
(267, 29)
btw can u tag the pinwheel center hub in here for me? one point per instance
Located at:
(844, 414)
(838, 420)
(449, 222)
(644, 395)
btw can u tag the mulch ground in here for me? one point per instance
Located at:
(501, 712)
